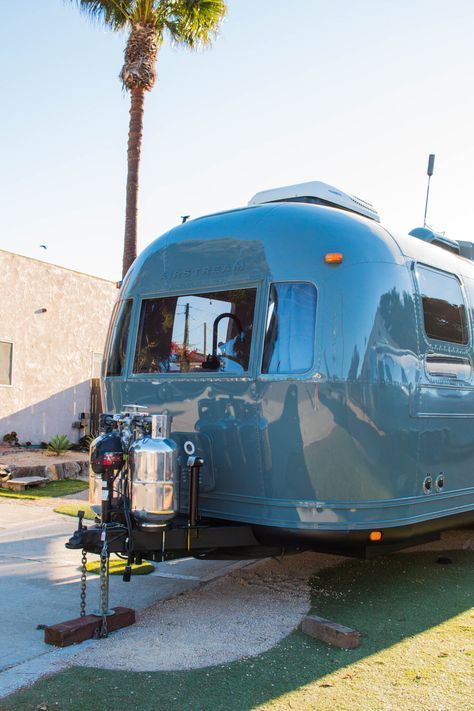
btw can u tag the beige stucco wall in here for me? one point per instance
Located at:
(52, 351)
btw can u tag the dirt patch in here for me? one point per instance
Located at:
(37, 457)
(243, 614)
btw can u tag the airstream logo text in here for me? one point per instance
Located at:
(216, 270)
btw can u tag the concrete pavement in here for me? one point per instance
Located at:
(39, 584)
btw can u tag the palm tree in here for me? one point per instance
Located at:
(190, 23)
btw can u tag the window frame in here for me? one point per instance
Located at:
(117, 313)
(441, 344)
(9, 341)
(249, 374)
(287, 376)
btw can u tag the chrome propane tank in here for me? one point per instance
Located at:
(155, 474)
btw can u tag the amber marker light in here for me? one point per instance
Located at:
(375, 535)
(333, 258)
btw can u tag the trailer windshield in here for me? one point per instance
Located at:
(209, 332)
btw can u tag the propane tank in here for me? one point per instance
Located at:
(154, 474)
(106, 455)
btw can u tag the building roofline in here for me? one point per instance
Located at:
(57, 266)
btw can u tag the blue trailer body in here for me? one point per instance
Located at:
(376, 434)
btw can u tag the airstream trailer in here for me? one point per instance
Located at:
(287, 375)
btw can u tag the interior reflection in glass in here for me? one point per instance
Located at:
(118, 349)
(196, 332)
(289, 337)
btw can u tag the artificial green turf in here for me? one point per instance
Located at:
(73, 509)
(62, 487)
(416, 652)
(117, 566)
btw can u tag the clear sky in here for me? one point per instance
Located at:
(356, 93)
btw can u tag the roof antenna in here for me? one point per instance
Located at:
(184, 218)
(429, 172)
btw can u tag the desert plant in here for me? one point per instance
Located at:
(86, 441)
(12, 439)
(58, 445)
(189, 23)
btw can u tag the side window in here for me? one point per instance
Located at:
(6, 353)
(290, 328)
(118, 347)
(444, 311)
(209, 332)
(469, 287)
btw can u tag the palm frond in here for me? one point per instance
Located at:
(194, 23)
(113, 13)
(149, 12)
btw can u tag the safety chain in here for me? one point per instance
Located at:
(83, 583)
(104, 583)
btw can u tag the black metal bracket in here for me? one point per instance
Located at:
(194, 464)
(169, 542)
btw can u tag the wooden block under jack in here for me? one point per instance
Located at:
(330, 632)
(73, 631)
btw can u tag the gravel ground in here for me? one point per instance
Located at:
(243, 614)
(37, 457)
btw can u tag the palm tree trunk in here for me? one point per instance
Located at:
(135, 133)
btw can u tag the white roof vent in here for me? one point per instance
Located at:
(317, 193)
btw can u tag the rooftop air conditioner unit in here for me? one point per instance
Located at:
(317, 193)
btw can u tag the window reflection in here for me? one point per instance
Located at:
(118, 349)
(289, 337)
(444, 312)
(196, 332)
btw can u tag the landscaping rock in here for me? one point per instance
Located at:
(71, 470)
(5, 473)
(66, 470)
(19, 472)
(7, 470)
(53, 471)
(48, 474)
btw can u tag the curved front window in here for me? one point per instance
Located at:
(119, 339)
(206, 333)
